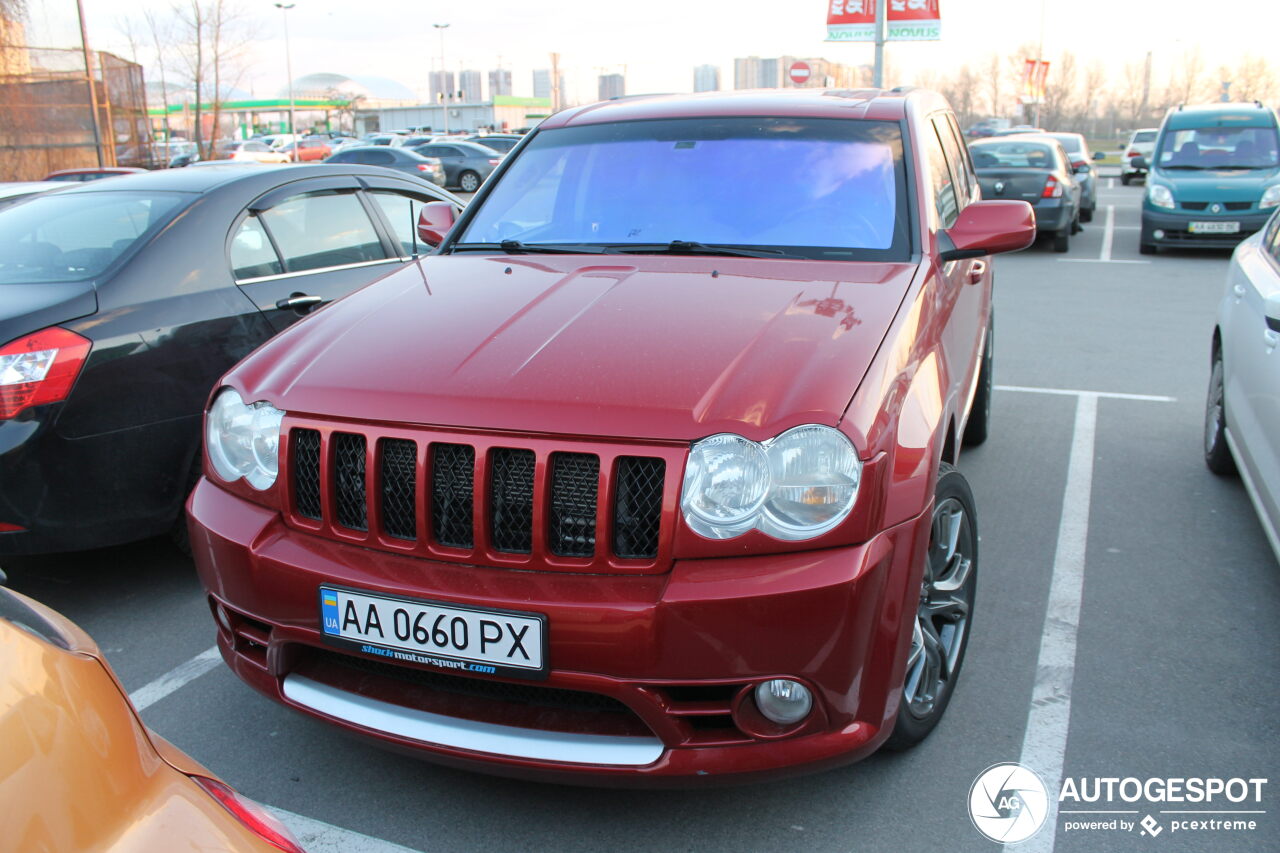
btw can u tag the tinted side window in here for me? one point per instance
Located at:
(954, 159)
(319, 230)
(402, 211)
(370, 157)
(428, 150)
(252, 254)
(966, 162)
(944, 193)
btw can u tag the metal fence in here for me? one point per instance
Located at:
(47, 123)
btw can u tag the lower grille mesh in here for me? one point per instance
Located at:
(453, 471)
(306, 472)
(400, 488)
(348, 463)
(511, 500)
(575, 484)
(638, 506)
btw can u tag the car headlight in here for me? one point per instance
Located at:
(796, 486)
(1271, 196)
(243, 440)
(1160, 196)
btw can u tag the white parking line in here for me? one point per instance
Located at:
(1044, 744)
(175, 678)
(319, 837)
(1111, 183)
(1108, 233)
(1071, 392)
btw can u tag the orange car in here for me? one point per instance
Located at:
(79, 771)
(307, 150)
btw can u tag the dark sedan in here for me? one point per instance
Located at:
(388, 157)
(123, 301)
(1082, 164)
(466, 164)
(500, 142)
(1034, 169)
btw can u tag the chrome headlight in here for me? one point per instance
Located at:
(242, 440)
(796, 486)
(1160, 196)
(1270, 196)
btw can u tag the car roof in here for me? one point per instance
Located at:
(1228, 115)
(215, 176)
(1028, 136)
(887, 105)
(14, 188)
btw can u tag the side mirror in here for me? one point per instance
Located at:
(434, 221)
(1098, 155)
(1272, 309)
(989, 227)
(1138, 162)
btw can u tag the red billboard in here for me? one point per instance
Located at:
(908, 20)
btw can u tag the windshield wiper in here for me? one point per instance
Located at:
(515, 247)
(1186, 166)
(688, 247)
(1244, 166)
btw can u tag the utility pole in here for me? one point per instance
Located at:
(93, 89)
(443, 75)
(288, 65)
(882, 35)
(556, 94)
(1037, 88)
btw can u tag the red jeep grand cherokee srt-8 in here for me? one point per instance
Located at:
(647, 472)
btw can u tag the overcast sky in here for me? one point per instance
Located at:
(658, 42)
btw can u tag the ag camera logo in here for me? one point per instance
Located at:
(1008, 803)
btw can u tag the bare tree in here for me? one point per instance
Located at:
(1253, 80)
(211, 43)
(1189, 82)
(1059, 90)
(994, 79)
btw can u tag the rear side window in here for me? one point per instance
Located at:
(1145, 136)
(402, 212)
(72, 237)
(370, 157)
(326, 229)
(252, 255)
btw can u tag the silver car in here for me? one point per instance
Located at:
(1141, 144)
(1242, 414)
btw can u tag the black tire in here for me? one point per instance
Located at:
(1062, 240)
(1086, 214)
(1124, 179)
(924, 697)
(1076, 228)
(469, 181)
(1148, 249)
(1217, 453)
(975, 431)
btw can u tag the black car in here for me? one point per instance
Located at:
(500, 142)
(1032, 168)
(391, 157)
(123, 301)
(466, 164)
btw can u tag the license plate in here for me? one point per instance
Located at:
(446, 636)
(1214, 227)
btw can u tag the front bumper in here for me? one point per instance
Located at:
(650, 676)
(1175, 226)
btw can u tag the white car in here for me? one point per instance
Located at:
(1242, 414)
(252, 150)
(1141, 144)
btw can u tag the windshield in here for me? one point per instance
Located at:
(67, 237)
(1219, 148)
(818, 188)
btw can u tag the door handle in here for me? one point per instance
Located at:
(300, 302)
(1271, 339)
(976, 271)
(1239, 291)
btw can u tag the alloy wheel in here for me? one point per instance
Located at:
(942, 620)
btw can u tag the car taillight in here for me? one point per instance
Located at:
(1052, 188)
(1133, 153)
(425, 167)
(494, 162)
(264, 824)
(39, 369)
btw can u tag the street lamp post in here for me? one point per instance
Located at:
(288, 64)
(444, 103)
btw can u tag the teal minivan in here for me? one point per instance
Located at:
(1214, 177)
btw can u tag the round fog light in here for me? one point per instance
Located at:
(1158, 233)
(223, 619)
(783, 701)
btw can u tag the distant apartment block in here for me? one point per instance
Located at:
(442, 85)
(706, 78)
(499, 82)
(611, 86)
(469, 83)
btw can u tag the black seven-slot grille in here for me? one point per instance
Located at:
(445, 476)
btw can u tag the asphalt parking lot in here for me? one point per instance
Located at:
(1127, 621)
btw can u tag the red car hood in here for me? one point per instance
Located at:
(639, 347)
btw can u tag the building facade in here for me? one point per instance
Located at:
(611, 86)
(442, 86)
(499, 82)
(469, 83)
(706, 78)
